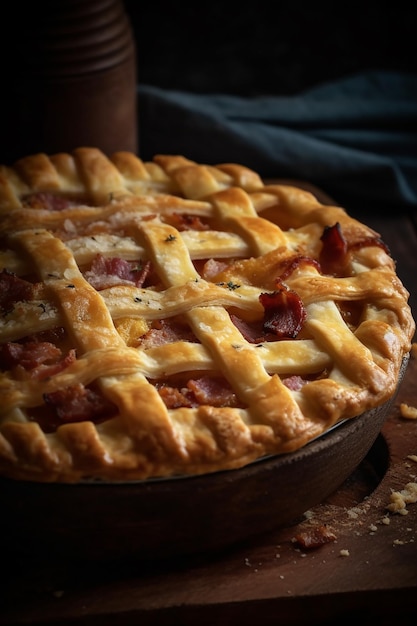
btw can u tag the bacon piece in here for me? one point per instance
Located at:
(212, 391)
(107, 272)
(40, 358)
(14, 289)
(315, 537)
(167, 331)
(294, 382)
(52, 335)
(284, 317)
(253, 332)
(45, 371)
(48, 201)
(284, 313)
(351, 312)
(333, 255)
(175, 398)
(27, 355)
(78, 403)
(186, 222)
(205, 390)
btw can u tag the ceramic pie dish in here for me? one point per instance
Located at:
(173, 518)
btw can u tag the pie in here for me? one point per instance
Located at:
(169, 318)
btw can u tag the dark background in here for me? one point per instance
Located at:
(258, 48)
(271, 48)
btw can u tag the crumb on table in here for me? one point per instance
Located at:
(408, 412)
(400, 499)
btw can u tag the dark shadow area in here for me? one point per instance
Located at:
(268, 48)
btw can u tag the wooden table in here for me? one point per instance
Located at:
(368, 572)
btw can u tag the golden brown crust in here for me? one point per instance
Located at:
(347, 353)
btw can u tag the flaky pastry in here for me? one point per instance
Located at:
(169, 318)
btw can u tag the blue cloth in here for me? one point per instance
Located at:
(355, 138)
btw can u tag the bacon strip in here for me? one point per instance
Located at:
(253, 332)
(40, 359)
(175, 398)
(186, 222)
(207, 390)
(295, 383)
(47, 201)
(27, 355)
(284, 317)
(167, 331)
(284, 313)
(78, 403)
(212, 391)
(334, 253)
(14, 289)
(107, 272)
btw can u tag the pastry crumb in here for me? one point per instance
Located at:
(344, 553)
(400, 499)
(354, 512)
(408, 412)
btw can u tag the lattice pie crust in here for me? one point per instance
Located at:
(170, 318)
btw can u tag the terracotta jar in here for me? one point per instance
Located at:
(75, 79)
